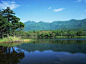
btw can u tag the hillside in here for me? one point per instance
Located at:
(71, 24)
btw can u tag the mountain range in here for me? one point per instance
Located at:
(70, 24)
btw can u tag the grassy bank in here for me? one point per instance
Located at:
(13, 40)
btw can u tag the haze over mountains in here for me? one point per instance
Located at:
(71, 24)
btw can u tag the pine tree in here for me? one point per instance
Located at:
(9, 21)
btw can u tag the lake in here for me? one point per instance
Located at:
(46, 51)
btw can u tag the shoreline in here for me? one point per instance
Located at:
(11, 41)
(14, 40)
(70, 36)
(19, 41)
(15, 43)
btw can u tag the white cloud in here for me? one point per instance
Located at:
(57, 10)
(50, 21)
(10, 4)
(49, 8)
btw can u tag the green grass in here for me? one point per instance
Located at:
(79, 36)
(9, 44)
(70, 37)
(10, 39)
(61, 36)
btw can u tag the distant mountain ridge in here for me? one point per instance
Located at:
(71, 24)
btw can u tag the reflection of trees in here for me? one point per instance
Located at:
(9, 55)
(60, 41)
(72, 46)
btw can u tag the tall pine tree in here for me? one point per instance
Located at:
(9, 21)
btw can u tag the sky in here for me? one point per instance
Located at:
(46, 10)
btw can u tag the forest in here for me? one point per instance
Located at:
(52, 34)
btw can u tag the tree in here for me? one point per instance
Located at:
(79, 33)
(8, 14)
(3, 25)
(9, 21)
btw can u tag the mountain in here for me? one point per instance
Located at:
(71, 24)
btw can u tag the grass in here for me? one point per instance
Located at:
(79, 36)
(13, 41)
(61, 36)
(9, 44)
(71, 37)
(10, 38)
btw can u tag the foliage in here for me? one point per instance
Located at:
(9, 23)
(52, 34)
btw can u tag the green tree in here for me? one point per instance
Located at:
(3, 25)
(8, 14)
(9, 23)
(13, 22)
(79, 33)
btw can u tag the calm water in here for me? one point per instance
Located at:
(46, 51)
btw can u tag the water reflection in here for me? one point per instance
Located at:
(10, 55)
(54, 52)
(45, 52)
(72, 46)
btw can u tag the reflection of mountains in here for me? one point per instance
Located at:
(10, 55)
(73, 48)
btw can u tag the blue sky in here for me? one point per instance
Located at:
(46, 10)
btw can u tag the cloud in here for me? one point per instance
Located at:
(57, 10)
(11, 4)
(49, 8)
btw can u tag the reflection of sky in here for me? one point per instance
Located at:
(51, 57)
(72, 48)
(54, 53)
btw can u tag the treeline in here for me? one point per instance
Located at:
(52, 34)
(9, 23)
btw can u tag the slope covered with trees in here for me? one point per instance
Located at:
(71, 24)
